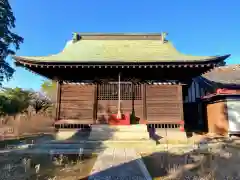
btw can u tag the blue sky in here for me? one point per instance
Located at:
(199, 27)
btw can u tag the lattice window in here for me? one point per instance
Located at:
(128, 91)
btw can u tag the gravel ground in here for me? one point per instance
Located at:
(6, 144)
(219, 162)
(23, 166)
(13, 166)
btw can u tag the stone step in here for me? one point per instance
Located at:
(106, 132)
(132, 144)
(121, 128)
(118, 136)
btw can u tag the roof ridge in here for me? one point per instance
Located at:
(121, 34)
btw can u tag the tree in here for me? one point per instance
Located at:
(49, 88)
(40, 102)
(8, 39)
(3, 105)
(15, 101)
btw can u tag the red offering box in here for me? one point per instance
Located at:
(125, 120)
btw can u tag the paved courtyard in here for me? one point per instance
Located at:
(122, 163)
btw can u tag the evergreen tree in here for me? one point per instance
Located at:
(9, 41)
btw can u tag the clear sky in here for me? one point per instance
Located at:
(197, 27)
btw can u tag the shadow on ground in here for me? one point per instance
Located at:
(219, 162)
(65, 159)
(212, 163)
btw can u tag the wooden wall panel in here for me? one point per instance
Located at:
(77, 103)
(164, 104)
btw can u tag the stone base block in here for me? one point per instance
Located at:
(64, 134)
(124, 132)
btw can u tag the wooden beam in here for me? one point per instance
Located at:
(58, 100)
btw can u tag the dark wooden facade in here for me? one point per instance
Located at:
(92, 103)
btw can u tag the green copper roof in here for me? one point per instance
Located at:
(118, 50)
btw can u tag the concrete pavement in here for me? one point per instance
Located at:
(115, 163)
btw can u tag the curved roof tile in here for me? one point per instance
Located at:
(119, 48)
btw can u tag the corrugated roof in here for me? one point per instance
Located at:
(224, 75)
(119, 48)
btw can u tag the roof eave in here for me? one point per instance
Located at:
(23, 60)
(217, 84)
(228, 85)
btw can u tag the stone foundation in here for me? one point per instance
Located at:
(64, 134)
(109, 133)
(120, 132)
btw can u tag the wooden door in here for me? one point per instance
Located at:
(77, 103)
(107, 96)
(164, 104)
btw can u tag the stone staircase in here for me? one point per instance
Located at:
(100, 138)
(131, 136)
(136, 132)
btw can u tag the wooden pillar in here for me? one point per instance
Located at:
(144, 101)
(180, 92)
(58, 100)
(95, 103)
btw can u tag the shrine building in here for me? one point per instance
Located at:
(141, 76)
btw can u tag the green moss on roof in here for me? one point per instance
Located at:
(118, 51)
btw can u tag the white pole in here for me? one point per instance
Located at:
(119, 96)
